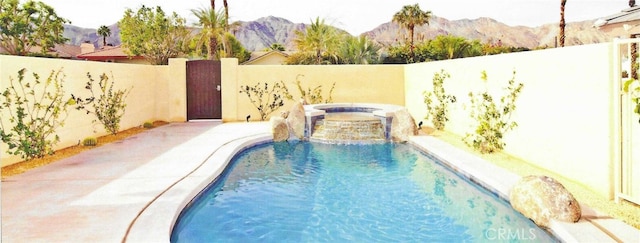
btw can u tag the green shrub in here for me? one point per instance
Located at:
(147, 125)
(437, 101)
(492, 120)
(108, 106)
(90, 141)
(36, 109)
(264, 98)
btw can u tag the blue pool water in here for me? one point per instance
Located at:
(312, 192)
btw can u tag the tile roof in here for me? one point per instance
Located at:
(107, 52)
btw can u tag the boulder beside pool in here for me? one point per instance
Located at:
(403, 126)
(296, 119)
(279, 128)
(543, 199)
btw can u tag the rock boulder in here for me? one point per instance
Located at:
(279, 128)
(296, 120)
(542, 199)
(403, 126)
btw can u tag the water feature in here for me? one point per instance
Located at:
(348, 123)
(348, 127)
(314, 192)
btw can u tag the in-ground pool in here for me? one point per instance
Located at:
(314, 192)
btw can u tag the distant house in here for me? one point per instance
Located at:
(624, 24)
(59, 50)
(267, 58)
(108, 54)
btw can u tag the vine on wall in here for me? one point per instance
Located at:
(438, 100)
(36, 109)
(493, 119)
(106, 104)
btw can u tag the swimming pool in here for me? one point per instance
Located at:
(310, 192)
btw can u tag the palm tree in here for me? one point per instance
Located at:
(562, 23)
(275, 47)
(104, 31)
(319, 38)
(409, 17)
(213, 29)
(358, 50)
(226, 13)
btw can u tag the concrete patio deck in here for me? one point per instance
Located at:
(96, 196)
(133, 190)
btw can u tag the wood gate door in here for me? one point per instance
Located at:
(203, 90)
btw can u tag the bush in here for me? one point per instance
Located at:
(437, 101)
(108, 106)
(147, 125)
(265, 99)
(36, 109)
(493, 120)
(90, 141)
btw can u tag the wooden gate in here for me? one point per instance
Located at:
(203, 90)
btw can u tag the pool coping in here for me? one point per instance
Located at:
(593, 226)
(156, 221)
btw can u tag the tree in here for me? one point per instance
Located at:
(30, 25)
(150, 33)
(213, 29)
(104, 31)
(409, 17)
(275, 47)
(226, 13)
(236, 49)
(319, 38)
(450, 47)
(562, 23)
(358, 50)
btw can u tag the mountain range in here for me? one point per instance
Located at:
(261, 33)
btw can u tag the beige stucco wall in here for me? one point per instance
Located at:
(353, 83)
(157, 93)
(564, 111)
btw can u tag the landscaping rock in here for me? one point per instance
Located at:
(279, 128)
(403, 126)
(543, 199)
(296, 120)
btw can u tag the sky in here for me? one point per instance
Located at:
(354, 16)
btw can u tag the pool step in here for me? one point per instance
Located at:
(348, 131)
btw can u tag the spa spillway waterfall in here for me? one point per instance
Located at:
(349, 123)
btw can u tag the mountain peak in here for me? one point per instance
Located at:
(261, 33)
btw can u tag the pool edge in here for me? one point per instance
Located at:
(592, 227)
(156, 222)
